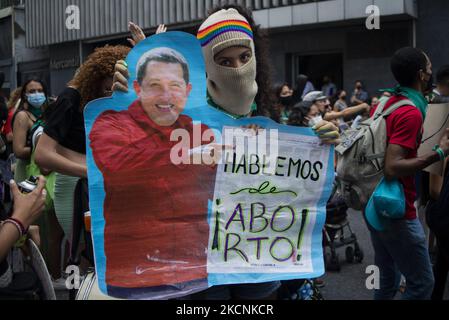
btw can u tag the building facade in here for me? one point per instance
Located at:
(17, 61)
(317, 38)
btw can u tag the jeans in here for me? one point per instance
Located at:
(402, 249)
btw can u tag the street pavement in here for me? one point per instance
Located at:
(350, 282)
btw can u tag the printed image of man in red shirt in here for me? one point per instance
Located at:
(155, 212)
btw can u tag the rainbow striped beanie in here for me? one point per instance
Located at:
(224, 29)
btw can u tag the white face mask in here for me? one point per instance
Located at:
(315, 120)
(233, 89)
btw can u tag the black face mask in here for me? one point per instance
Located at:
(286, 101)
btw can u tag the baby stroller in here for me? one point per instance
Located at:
(338, 233)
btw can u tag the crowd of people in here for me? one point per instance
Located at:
(403, 251)
(44, 136)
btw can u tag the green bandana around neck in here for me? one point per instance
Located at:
(234, 116)
(415, 96)
(36, 112)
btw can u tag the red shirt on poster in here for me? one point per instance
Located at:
(156, 230)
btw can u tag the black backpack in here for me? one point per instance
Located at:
(437, 212)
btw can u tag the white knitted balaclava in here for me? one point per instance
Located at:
(232, 89)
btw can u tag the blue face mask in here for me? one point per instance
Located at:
(36, 99)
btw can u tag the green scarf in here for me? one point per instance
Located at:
(36, 112)
(234, 116)
(415, 96)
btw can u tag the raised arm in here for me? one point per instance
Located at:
(137, 34)
(348, 112)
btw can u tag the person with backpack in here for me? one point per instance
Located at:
(384, 149)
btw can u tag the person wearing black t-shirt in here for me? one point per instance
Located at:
(62, 147)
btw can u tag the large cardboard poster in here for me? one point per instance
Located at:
(437, 120)
(183, 197)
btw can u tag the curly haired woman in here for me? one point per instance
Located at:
(62, 147)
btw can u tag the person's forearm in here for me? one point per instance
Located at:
(348, 112)
(65, 166)
(332, 116)
(54, 162)
(8, 237)
(22, 153)
(357, 101)
(408, 167)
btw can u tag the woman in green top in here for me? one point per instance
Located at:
(33, 103)
(27, 118)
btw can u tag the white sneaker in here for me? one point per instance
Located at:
(59, 284)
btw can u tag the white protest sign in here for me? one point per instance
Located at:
(265, 206)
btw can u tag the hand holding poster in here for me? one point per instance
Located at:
(168, 218)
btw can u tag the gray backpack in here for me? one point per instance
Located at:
(360, 156)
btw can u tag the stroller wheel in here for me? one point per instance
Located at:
(359, 255)
(350, 254)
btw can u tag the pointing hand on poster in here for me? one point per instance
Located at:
(209, 154)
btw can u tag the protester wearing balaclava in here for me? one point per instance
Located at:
(231, 89)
